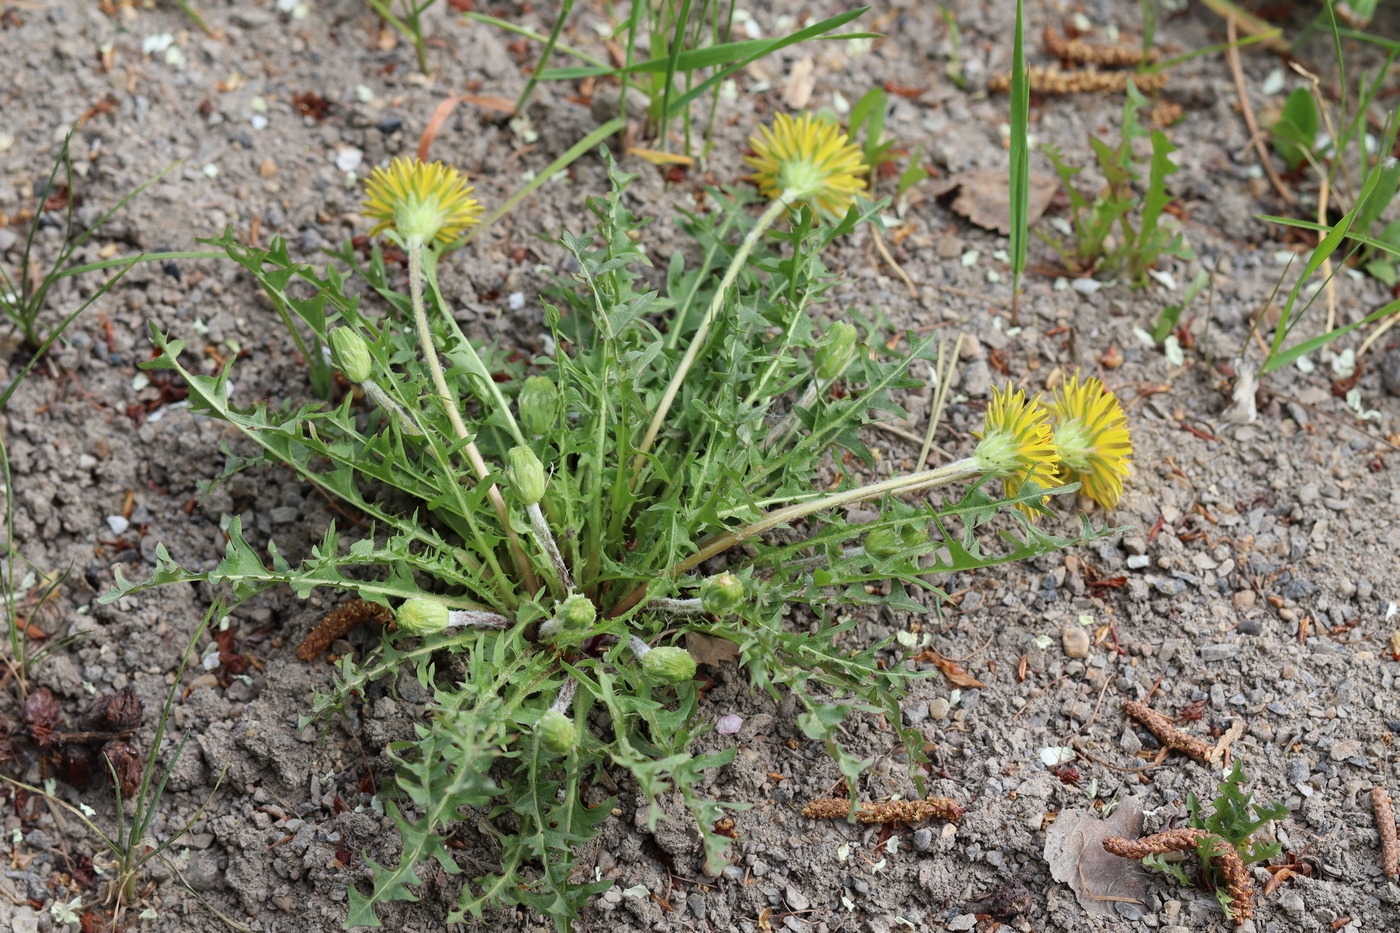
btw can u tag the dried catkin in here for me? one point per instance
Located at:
(1187, 840)
(1079, 52)
(1054, 81)
(1167, 734)
(892, 811)
(337, 622)
(1385, 828)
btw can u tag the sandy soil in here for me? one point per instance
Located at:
(1258, 578)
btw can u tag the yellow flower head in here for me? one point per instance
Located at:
(424, 200)
(1091, 432)
(807, 160)
(1016, 442)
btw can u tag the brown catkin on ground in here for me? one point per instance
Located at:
(1186, 840)
(1054, 81)
(893, 811)
(1168, 734)
(1385, 828)
(1079, 52)
(337, 622)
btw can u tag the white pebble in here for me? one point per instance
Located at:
(347, 160)
(118, 523)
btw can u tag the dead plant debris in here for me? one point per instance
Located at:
(338, 622)
(889, 811)
(1051, 80)
(1079, 52)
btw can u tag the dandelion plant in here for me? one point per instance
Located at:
(557, 524)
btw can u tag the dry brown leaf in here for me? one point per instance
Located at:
(983, 197)
(1074, 851)
(707, 649)
(800, 84)
(957, 674)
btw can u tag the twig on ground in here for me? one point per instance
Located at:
(1232, 54)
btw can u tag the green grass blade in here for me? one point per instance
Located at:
(1020, 155)
(530, 34)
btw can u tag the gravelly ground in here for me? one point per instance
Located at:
(1257, 576)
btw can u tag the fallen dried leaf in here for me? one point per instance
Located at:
(707, 649)
(957, 674)
(984, 199)
(1075, 853)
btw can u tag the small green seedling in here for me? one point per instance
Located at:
(1235, 818)
(868, 126)
(1120, 230)
(408, 22)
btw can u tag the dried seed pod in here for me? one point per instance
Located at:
(336, 623)
(890, 811)
(1385, 828)
(124, 764)
(1079, 52)
(40, 714)
(1224, 855)
(75, 764)
(1054, 81)
(114, 712)
(1169, 735)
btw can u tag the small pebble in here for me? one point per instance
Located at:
(118, 523)
(923, 840)
(347, 160)
(1138, 561)
(939, 707)
(1075, 639)
(1219, 652)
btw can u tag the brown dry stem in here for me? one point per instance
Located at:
(336, 623)
(1079, 52)
(1187, 840)
(890, 811)
(1385, 828)
(1043, 80)
(1169, 735)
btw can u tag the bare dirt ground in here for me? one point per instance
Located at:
(1257, 581)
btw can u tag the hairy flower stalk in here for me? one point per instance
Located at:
(798, 161)
(1015, 445)
(526, 475)
(426, 203)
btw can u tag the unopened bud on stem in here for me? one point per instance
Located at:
(525, 474)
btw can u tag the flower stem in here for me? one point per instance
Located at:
(545, 537)
(697, 341)
(415, 249)
(898, 485)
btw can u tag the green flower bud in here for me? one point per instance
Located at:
(538, 406)
(352, 353)
(577, 611)
(721, 593)
(556, 732)
(525, 474)
(884, 543)
(836, 351)
(423, 616)
(669, 665)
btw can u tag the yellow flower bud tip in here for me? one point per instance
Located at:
(669, 664)
(1091, 432)
(352, 353)
(1016, 442)
(525, 474)
(721, 593)
(422, 616)
(423, 200)
(836, 351)
(556, 732)
(810, 160)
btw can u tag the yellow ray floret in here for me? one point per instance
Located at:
(1091, 432)
(426, 200)
(1016, 442)
(809, 160)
